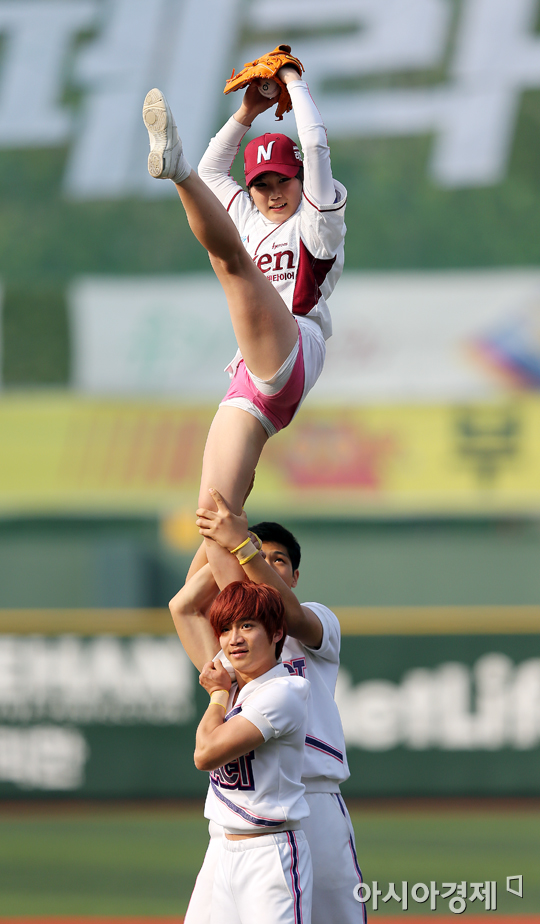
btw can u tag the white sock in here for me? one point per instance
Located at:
(183, 169)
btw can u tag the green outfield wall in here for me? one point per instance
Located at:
(102, 561)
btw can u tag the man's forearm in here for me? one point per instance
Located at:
(260, 572)
(218, 742)
(200, 559)
(232, 534)
(302, 623)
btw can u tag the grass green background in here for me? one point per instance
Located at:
(111, 860)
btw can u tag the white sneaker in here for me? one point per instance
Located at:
(165, 161)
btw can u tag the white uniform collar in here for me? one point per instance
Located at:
(278, 671)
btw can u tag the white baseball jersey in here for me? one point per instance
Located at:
(303, 256)
(325, 758)
(262, 791)
(328, 826)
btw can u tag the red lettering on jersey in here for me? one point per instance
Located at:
(284, 253)
(264, 262)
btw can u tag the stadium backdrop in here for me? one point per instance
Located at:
(427, 413)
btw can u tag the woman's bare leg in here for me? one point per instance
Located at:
(233, 447)
(265, 330)
(266, 333)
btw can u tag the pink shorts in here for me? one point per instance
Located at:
(276, 410)
(275, 403)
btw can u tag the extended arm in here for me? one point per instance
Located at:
(188, 610)
(302, 623)
(318, 181)
(230, 531)
(217, 742)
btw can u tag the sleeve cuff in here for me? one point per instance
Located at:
(296, 83)
(340, 199)
(258, 720)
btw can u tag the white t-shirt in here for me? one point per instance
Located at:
(262, 791)
(325, 758)
(303, 256)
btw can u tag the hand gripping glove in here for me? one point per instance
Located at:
(267, 66)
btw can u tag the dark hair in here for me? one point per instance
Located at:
(244, 600)
(297, 176)
(274, 532)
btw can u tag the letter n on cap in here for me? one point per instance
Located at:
(265, 153)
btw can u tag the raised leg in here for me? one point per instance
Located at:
(265, 329)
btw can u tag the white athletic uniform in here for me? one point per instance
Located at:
(328, 828)
(266, 879)
(303, 256)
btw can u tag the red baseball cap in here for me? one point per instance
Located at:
(271, 152)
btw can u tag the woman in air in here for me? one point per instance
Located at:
(277, 250)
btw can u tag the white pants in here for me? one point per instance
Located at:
(336, 872)
(263, 880)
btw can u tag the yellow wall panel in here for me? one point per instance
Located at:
(60, 453)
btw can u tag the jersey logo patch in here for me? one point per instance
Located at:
(296, 666)
(238, 774)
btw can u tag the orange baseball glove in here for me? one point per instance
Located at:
(267, 66)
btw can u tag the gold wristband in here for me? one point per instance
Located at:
(249, 557)
(220, 698)
(241, 546)
(246, 552)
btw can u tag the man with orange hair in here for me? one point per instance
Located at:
(251, 739)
